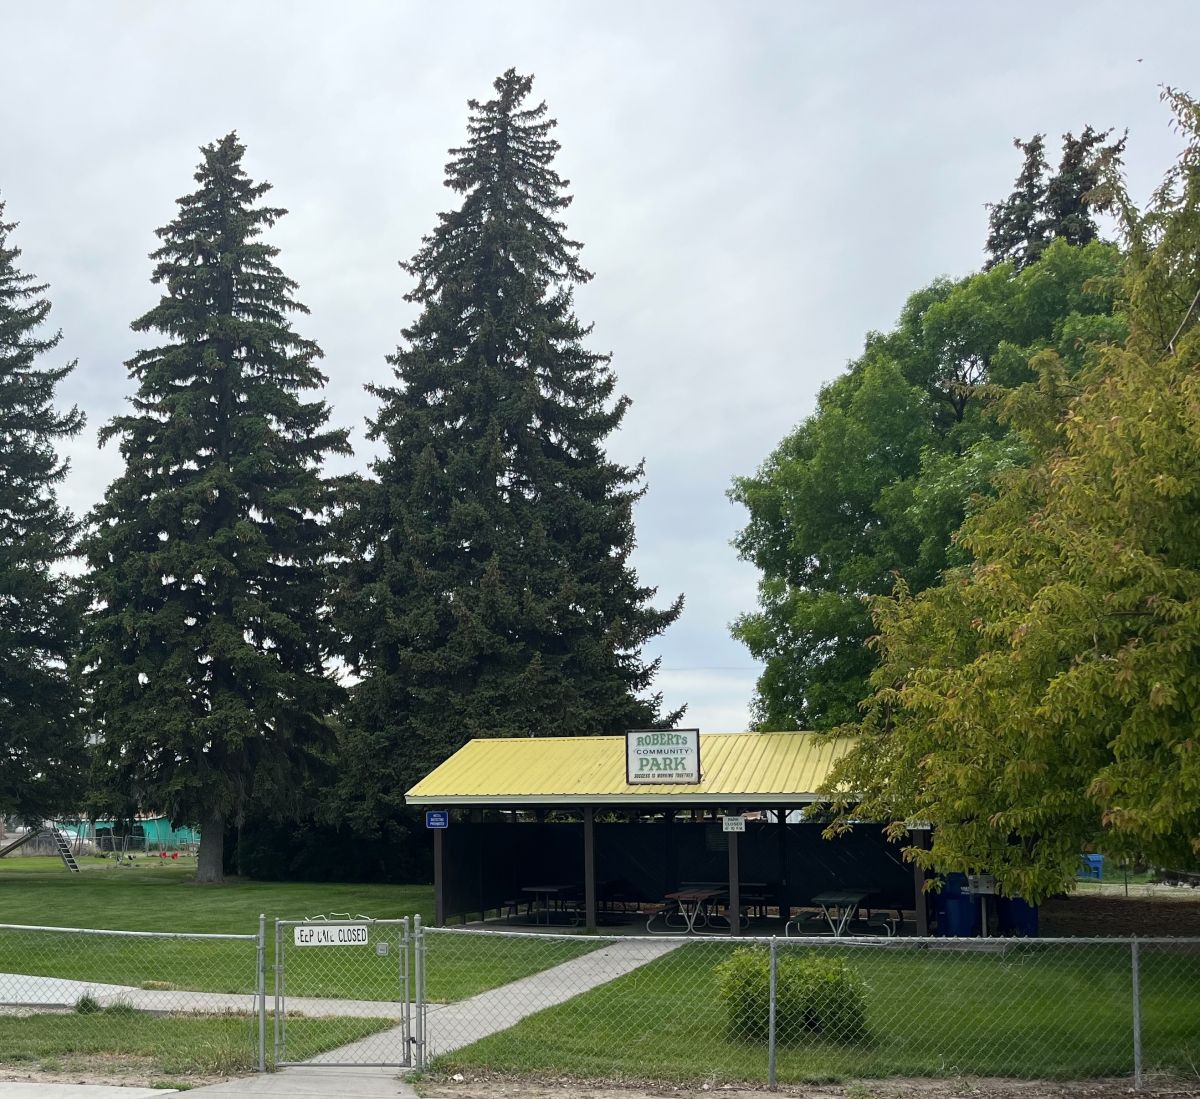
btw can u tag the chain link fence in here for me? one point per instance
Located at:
(697, 1008)
(177, 1002)
(355, 991)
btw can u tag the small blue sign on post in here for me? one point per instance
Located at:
(437, 818)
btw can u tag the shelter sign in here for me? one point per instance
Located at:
(662, 756)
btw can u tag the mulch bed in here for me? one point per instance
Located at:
(1095, 914)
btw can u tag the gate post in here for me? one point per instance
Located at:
(261, 988)
(405, 992)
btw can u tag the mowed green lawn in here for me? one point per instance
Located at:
(163, 898)
(1036, 1011)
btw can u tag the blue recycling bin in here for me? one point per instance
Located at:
(957, 910)
(1091, 867)
(1018, 917)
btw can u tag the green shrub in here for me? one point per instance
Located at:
(819, 995)
(87, 1004)
(743, 983)
(814, 995)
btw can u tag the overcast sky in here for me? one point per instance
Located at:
(757, 185)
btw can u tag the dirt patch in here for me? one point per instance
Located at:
(1173, 912)
(511, 1087)
(97, 1068)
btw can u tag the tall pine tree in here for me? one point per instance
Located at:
(490, 591)
(40, 742)
(207, 640)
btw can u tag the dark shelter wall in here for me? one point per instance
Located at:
(486, 864)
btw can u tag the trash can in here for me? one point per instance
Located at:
(1018, 917)
(957, 911)
(1091, 867)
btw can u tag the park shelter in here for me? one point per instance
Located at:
(533, 809)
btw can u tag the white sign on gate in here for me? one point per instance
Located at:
(332, 934)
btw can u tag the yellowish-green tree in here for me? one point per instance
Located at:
(1044, 699)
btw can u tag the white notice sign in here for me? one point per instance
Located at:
(332, 934)
(733, 824)
(662, 755)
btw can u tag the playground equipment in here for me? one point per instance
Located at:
(60, 844)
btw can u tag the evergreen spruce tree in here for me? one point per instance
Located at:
(489, 591)
(207, 640)
(1068, 208)
(1045, 207)
(1017, 230)
(40, 742)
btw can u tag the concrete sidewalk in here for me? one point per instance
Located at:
(288, 1083)
(312, 1083)
(56, 993)
(13, 1089)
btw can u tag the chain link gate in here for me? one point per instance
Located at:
(354, 973)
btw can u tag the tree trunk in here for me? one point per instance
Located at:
(210, 862)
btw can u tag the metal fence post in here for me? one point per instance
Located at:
(1136, 982)
(278, 993)
(262, 992)
(419, 959)
(771, 1019)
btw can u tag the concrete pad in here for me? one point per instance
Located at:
(310, 1083)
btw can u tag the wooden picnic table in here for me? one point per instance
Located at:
(693, 905)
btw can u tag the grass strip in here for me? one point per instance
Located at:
(119, 1039)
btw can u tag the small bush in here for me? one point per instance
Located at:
(813, 996)
(87, 1004)
(744, 985)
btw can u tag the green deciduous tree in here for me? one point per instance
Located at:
(41, 745)
(207, 640)
(489, 590)
(876, 482)
(1043, 699)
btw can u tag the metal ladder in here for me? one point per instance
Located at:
(64, 850)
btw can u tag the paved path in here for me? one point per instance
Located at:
(12, 1089)
(20, 989)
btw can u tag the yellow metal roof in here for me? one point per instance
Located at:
(742, 768)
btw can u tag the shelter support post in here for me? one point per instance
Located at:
(589, 867)
(735, 898)
(439, 878)
(785, 899)
(920, 838)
